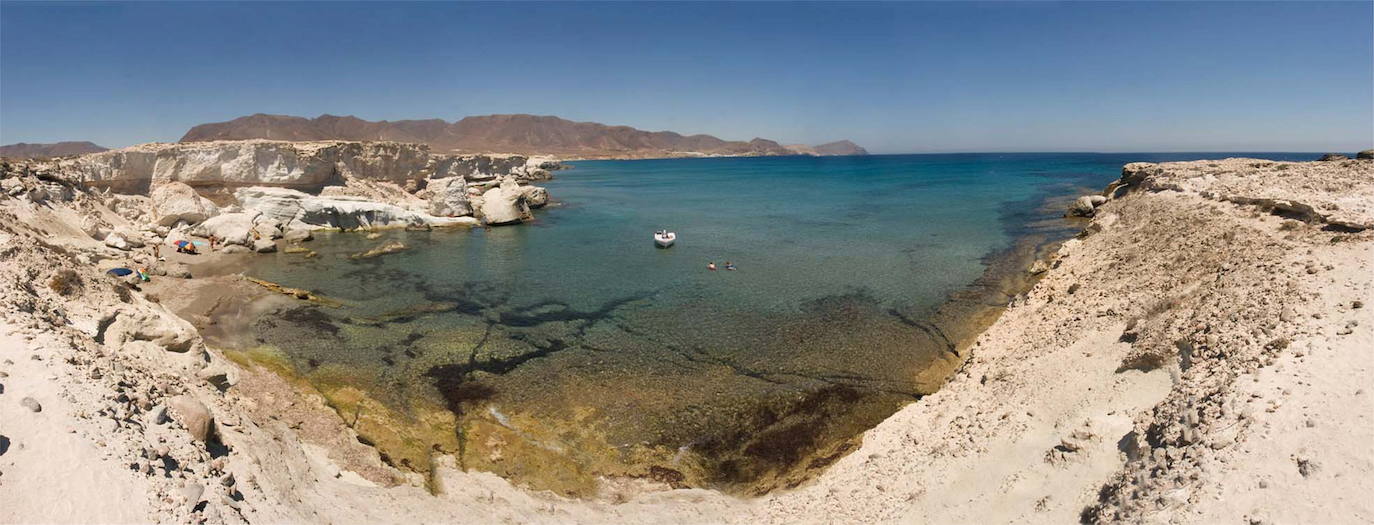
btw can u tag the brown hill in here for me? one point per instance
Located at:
(527, 134)
(24, 150)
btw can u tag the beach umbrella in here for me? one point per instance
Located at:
(119, 272)
(181, 244)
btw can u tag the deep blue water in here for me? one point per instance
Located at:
(840, 258)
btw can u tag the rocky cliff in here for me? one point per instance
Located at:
(41, 151)
(523, 134)
(227, 188)
(306, 166)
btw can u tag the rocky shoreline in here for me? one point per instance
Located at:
(1196, 355)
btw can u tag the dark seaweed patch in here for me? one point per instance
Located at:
(312, 318)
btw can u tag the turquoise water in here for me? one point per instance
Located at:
(572, 343)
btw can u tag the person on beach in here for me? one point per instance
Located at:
(711, 266)
(212, 243)
(157, 252)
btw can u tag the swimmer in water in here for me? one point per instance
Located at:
(729, 265)
(711, 266)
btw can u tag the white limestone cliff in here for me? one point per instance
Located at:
(331, 184)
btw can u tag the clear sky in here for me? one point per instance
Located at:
(894, 77)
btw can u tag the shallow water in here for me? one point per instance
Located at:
(569, 348)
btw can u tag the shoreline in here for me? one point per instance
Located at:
(957, 320)
(1032, 427)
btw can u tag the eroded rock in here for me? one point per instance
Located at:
(176, 202)
(193, 415)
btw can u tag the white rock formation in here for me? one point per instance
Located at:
(536, 196)
(504, 204)
(117, 241)
(295, 210)
(308, 165)
(231, 228)
(346, 185)
(489, 167)
(176, 202)
(448, 197)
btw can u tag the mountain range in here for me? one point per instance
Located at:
(524, 134)
(25, 150)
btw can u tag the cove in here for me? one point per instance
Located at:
(571, 349)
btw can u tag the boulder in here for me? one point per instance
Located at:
(162, 329)
(1097, 200)
(1333, 157)
(504, 204)
(218, 375)
(117, 241)
(194, 416)
(298, 234)
(133, 238)
(264, 246)
(536, 197)
(1365, 155)
(1082, 207)
(176, 202)
(94, 226)
(449, 197)
(230, 228)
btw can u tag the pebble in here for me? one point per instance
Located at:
(193, 492)
(31, 404)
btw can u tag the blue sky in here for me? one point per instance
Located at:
(894, 77)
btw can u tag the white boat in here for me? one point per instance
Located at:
(664, 238)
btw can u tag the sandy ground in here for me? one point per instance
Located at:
(1200, 355)
(50, 473)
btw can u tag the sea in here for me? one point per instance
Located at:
(572, 350)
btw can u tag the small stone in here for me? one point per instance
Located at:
(1307, 467)
(194, 416)
(1357, 304)
(1349, 328)
(193, 492)
(31, 404)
